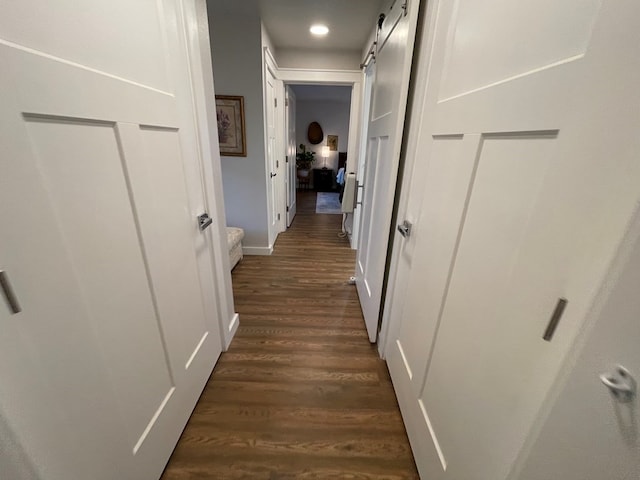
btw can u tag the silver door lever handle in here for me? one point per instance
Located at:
(405, 229)
(204, 221)
(621, 384)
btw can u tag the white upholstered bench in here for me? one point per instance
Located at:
(234, 243)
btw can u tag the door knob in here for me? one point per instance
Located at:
(405, 229)
(273, 175)
(204, 221)
(621, 384)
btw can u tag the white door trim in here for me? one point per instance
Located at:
(318, 75)
(351, 78)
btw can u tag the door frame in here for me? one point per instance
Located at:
(350, 78)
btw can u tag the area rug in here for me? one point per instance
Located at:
(327, 202)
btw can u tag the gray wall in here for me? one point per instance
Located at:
(236, 50)
(332, 115)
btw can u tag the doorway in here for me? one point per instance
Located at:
(327, 108)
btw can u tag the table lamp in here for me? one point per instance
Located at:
(325, 154)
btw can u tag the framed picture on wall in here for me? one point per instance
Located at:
(332, 142)
(231, 134)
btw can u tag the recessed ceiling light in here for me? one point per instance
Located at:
(319, 29)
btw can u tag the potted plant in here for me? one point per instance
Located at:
(304, 160)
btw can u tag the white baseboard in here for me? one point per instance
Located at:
(257, 250)
(233, 328)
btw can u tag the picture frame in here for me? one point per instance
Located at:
(231, 130)
(332, 142)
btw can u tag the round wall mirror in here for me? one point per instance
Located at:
(315, 133)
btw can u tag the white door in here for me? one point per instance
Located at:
(109, 353)
(360, 171)
(527, 176)
(272, 150)
(291, 154)
(592, 433)
(384, 139)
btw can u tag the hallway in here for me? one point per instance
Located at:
(301, 393)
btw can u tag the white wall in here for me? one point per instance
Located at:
(328, 60)
(333, 117)
(236, 50)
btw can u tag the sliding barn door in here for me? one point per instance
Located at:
(528, 140)
(384, 139)
(110, 337)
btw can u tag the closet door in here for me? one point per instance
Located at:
(106, 355)
(528, 178)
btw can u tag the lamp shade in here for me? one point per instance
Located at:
(325, 151)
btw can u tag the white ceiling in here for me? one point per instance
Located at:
(350, 21)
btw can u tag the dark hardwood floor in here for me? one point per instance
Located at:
(301, 393)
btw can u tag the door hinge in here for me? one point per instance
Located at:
(405, 7)
(275, 101)
(286, 159)
(286, 102)
(277, 164)
(278, 216)
(287, 208)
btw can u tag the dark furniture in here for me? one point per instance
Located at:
(323, 179)
(303, 179)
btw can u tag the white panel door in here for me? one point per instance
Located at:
(272, 170)
(590, 433)
(291, 154)
(103, 365)
(384, 139)
(525, 180)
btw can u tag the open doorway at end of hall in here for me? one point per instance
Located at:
(318, 136)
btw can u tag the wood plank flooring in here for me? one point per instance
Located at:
(301, 393)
